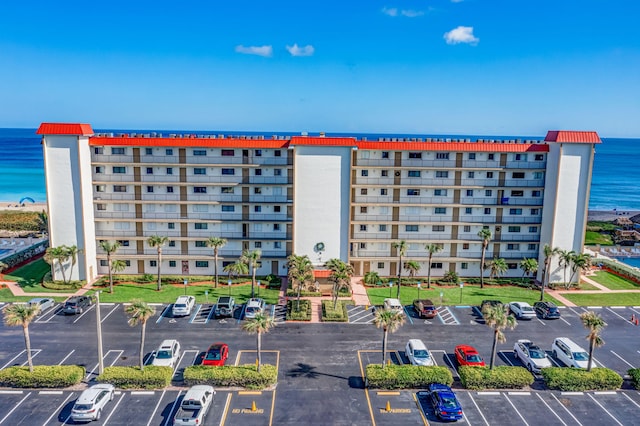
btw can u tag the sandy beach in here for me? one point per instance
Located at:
(24, 207)
(610, 215)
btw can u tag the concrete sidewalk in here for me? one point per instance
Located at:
(16, 290)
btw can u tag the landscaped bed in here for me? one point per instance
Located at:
(613, 281)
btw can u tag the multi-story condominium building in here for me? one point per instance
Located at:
(326, 197)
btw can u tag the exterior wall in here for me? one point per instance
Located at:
(321, 206)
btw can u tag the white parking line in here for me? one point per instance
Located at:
(606, 411)
(33, 355)
(11, 392)
(488, 393)
(14, 408)
(24, 351)
(605, 393)
(550, 409)
(173, 407)
(566, 409)
(50, 392)
(113, 410)
(571, 393)
(567, 322)
(51, 314)
(55, 412)
(629, 398)
(514, 407)
(156, 407)
(143, 392)
(164, 311)
(541, 322)
(622, 359)
(194, 316)
(478, 408)
(619, 316)
(93, 371)
(110, 312)
(83, 314)
(504, 357)
(65, 358)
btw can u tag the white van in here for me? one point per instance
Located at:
(417, 353)
(393, 305)
(571, 355)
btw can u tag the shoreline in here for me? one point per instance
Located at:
(24, 207)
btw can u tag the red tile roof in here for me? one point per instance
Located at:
(321, 273)
(572, 136)
(64, 129)
(455, 146)
(188, 142)
(323, 141)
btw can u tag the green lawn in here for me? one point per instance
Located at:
(471, 295)
(30, 276)
(612, 281)
(593, 238)
(587, 286)
(604, 299)
(8, 297)
(605, 226)
(169, 293)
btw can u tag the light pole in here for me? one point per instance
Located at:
(99, 331)
(229, 285)
(258, 287)
(419, 285)
(461, 287)
(185, 282)
(390, 287)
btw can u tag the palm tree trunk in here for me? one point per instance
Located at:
(384, 348)
(110, 265)
(591, 347)
(27, 344)
(159, 265)
(64, 276)
(335, 296)
(429, 272)
(399, 279)
(493, 349)
(215, 267)
(259, 351)
(253, 280)
(142, 334)
(484, 248)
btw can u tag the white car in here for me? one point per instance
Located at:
(393, 305)
(43, 303)
(167, 354)
(418, 353)
(91, 402)
(534, 358)
(254, 307)
(183, 306)
(569, 353)
(522, 310)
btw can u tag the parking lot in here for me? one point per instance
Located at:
(320, 368)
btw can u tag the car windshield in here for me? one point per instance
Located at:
(449, 401)
(71, 305)
(180, 305)
(527, 308)
(553, 310)
(213, 355)
(163, 354)
(536, 353)
(420, 353)
(580, 356)
(252, 309)
(474, 358)
(82, 407)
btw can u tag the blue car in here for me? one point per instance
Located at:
(444, 402)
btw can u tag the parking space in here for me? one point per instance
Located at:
(395, 408)
(20, 358)
(203, 314)
(360, 314)
(447, 316)
(246, 408)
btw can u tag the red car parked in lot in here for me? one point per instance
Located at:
(217, 354)
(467, 355)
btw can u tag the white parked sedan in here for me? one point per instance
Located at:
(43, 302)
(522, 310)
(531, 355)
(167, 355)
(91, 402)
(418, 353)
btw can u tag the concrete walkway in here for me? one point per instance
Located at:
(16, 290)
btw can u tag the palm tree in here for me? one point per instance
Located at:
(259, 325)
(341, 273)
(110, 248)
(299, 273)
(390, 321)
(3, 266)
(566, 257)
(485, 236)
(549, 252)
(72, 252)
(432, 249)
(216, 243)
(581, 262)
(252, 259)
(118, 265)
(238, 268)
(497, 266)
(401, 247)
(412, 267)
(139, 312)
(20, 314)
(43, 222)
(58, 254)
(498, 318)
(528, 266)
(158, 241)
(595, 324)
(371, 278)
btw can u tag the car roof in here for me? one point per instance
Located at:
(38, 299)
(88, 395)
(216, 346)
(390, 300)
(467, 348)
(73, 299)
(521, 304)
(168, 343)
(570, 343)
(183, 298)
(254, 302)
(439, 387)
(417, 344)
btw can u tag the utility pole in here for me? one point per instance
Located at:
(99, 329)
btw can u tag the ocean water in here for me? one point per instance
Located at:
(614, 183)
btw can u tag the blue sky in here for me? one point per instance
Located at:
(504, 67)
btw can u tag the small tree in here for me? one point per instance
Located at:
(3, 267)
(341, 273)
(485, 236)
(412, 267)
(259, 325)
(299, 273)
(595, 324)
(43, 222)
(216, 244)
(528, 266)
(401, 247)
(252, 259)
(60, 255)
(549, 252)
(371, 278)
(118, 265)
(158, 241)
(238, 268)
(72, 252)
(566, 257)
(580, 263)
(498, 267)
(22, 315)
(110, 248)
(390, 321)
(139, 312)
(498, 319)
(431, 249)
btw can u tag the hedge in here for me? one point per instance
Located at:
(335, 315)
(152, 377)
(59, 285)
(635, 377)
(305, 310)
(43, 376)
(502, 377)
(406, 376)
(577, 379)
(243, 376)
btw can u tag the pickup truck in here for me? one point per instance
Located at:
(224, 307)
(194, 406)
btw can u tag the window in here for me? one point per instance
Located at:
(200, 208)
(171, 225)
(490, 156)
(100, 188)
(532, 247)
(168, 151)
(411, 228)
(467, 228)
(514, 229)
(149, 188)
(521, 157)
(258, 172)
(99, 169)
(228, 208)
(442, 174)
(440, 210)
(440, 192)
(119, 169)
(539, 157)
(200, 171)
(277, 244)
(517, 193)
(228, 152)
(437, 228)
(257, 209)
(538, 175)
(472, 156)
(104, 262)
(488, 192)
(471, 175)
(465, 246)
(148, 151)
(517, 175)
(124, 243)
(469, 192)
(172, 264)
(121, 207)
(464, 265)
(384, 173)
(382, 228)
(513, 246)
(149, 170)
(257, 244)
(202, 263)
(380, 265)
(153, 263)
(119, 188)
(201, 243)
(277, 172)
(169, 170)
(413, 192)
(487, 210)
(533, 229)
(201, 225)
(413, 173)
(363, 228)
(363, 191)
(117, 151)
(489, 175)
(385, 154)
(363, 246)
(199, 189)
(535, 193)
(98, 150)
(199, 152)
(515, 211)
(363, 209)
(436, 265)
(468, 210)
(276, 226)
(276, 209)
(442, 156)
(364, 173)
(415, 155)
(101, 207)
(228, 171)
(277, 153)
(383, 191)
(172, 243)
(226, 263)
(258, 153)
(170, 189)
(535, 212)
(227, 190)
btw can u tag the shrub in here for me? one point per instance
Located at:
(406, 376)
(635, 377)
(152, 377)
(243, 376)
(305, 310)
(59, 285)
(294, 293)
(576, 379)
(335, 315)
(502, 377)
(43, 376)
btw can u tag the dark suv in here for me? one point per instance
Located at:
(547, 310)
(76, 304)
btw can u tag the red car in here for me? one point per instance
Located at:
(467, 355)
(217, 354)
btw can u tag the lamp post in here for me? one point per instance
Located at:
(185, 282)
(390, 287)
(99, 332)
(419, 285)
(229, 285)
(461, 287)
(258, 287)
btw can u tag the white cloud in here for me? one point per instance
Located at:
(266, 51)
(461, 35)
(412, 13)
(408, 13)
(296, 50)
(390, 11)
